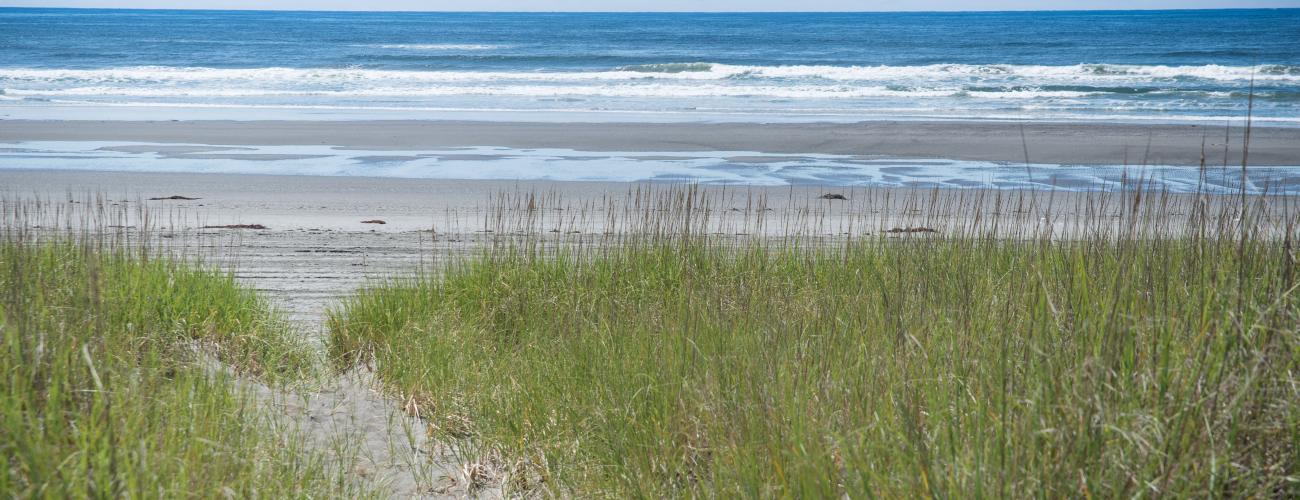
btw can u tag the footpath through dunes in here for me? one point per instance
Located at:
(344, 416)
(303, 275)
(309, 244)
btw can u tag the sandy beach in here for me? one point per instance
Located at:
(1051, 143)
(508, 262)
(287, 249)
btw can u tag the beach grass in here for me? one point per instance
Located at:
(120, 367)
(1127, 359)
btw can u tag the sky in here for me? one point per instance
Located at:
(659, 5)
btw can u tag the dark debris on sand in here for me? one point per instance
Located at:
(175, 197)
(833, 196)
(237, 226)
(373, 221)
(911, 230)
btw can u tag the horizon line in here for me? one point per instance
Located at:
(402, 11)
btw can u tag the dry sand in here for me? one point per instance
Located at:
(317, 247)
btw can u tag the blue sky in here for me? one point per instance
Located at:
(655, 5)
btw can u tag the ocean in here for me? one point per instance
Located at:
(1134, 66)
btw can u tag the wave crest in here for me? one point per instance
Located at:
(1083, 74)
(699, 67)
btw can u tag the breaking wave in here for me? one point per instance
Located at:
(685, 71)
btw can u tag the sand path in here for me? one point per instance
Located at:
(304, 274)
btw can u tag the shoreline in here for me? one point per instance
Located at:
(1046, 142)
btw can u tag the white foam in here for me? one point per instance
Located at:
(1043, 75)
(650, 90)
(980, 91)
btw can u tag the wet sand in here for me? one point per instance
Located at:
(1055, 143)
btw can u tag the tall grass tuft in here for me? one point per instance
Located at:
(109, 387)
(1152, 352)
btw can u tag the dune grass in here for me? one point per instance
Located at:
(1106, 365)
(109, 387)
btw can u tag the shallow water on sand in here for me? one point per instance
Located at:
(718, 167)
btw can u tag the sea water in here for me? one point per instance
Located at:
(1135, 66)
